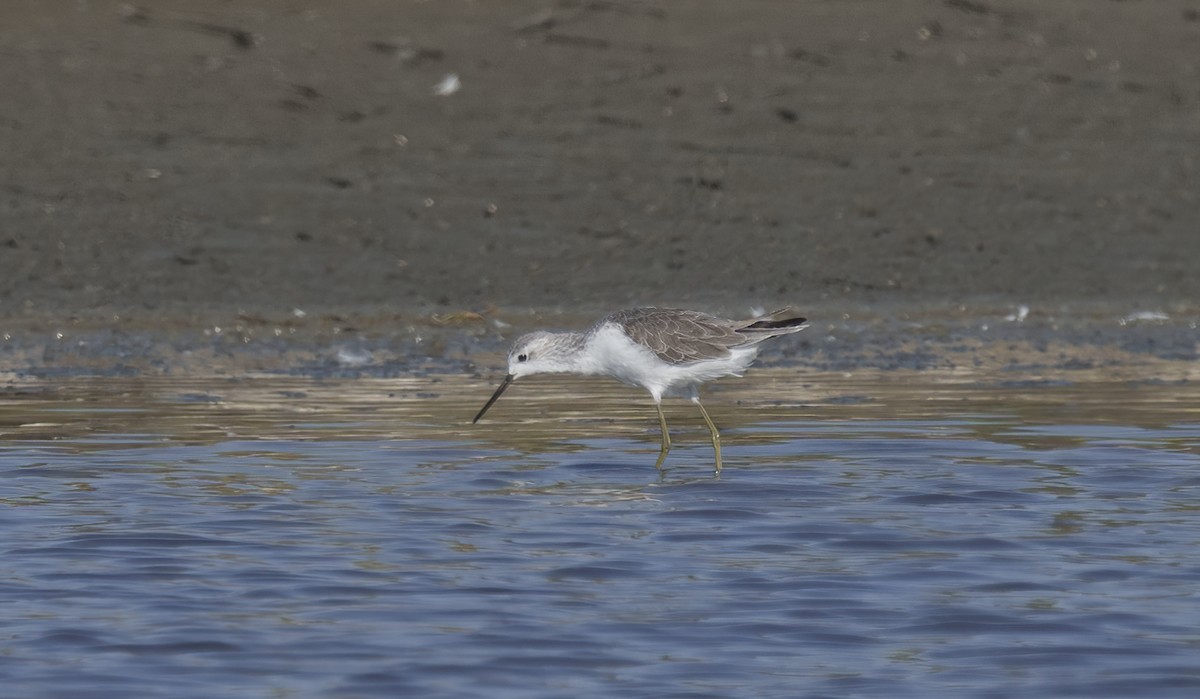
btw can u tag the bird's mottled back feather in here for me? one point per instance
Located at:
(681, 337)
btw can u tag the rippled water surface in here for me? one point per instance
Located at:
(870, 536)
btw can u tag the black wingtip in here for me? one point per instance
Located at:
(771, 324)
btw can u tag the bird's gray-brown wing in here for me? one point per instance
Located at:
(676, 336)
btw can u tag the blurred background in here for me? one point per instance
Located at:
(370, 156)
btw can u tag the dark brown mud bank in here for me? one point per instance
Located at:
(180, 160)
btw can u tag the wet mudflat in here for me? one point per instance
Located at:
(873, 534)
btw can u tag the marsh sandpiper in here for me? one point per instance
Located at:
(666, 351)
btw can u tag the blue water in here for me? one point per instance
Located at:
(159, 546)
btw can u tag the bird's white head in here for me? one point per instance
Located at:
(542, 353)
(539, 353)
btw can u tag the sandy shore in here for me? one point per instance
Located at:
(173, 164)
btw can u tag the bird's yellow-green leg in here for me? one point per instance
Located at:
(716, 436)
(666, 437)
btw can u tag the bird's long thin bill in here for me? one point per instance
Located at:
(495, 396)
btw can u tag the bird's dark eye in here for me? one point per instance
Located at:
(522, 357)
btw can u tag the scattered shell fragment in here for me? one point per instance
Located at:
(448, 86)
(1144, 316)
(1019, 316)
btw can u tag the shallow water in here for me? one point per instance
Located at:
(874, 535)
